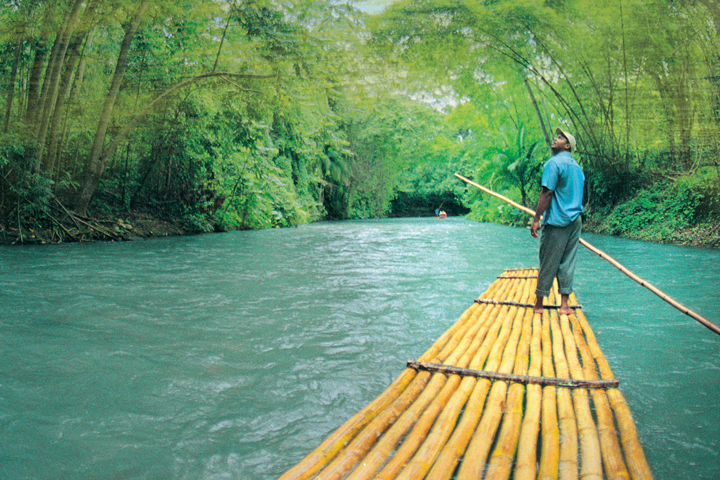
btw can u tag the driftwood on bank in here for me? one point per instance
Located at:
(61, 225)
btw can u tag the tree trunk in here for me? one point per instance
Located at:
(97, 163)
(669, 123)
(548, 140)
(36, 70)
(627, 95)
(222, 41)
(52, 81)
(48, 160)
(13, 80)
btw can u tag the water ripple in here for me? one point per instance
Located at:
(232, 355)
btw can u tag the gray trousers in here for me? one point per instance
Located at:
(558, 256)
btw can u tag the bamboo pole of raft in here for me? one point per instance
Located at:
(452, 451)
(550, 446)
(707, 323)
(431, 407)
(466, 348)
(501, 461)
(590, 453)
(634, 454)
(423, 455)
(441, 416)
(475, 456)
(326, 452)
(355, 448)
(526, 457)
(387, 444)
(448, 457)
(613, 462)
(567, 420)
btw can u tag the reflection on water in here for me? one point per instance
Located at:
(233, 355)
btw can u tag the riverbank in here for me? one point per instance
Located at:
(131, 226)
(125, 226)
(706, 234)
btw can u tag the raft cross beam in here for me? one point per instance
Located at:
(508, 377)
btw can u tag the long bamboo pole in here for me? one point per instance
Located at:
(550, 434)
(613, 463)
(715, 328)
(489, 351)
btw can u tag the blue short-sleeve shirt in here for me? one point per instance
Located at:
(565, 178)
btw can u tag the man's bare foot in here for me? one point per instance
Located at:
(538, 308)
(564, 306)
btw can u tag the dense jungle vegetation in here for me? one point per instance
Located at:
(136, 117)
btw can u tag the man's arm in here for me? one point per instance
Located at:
(544, 202)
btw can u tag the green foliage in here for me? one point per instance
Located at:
(364, 116)
(655, 214)
(495, 211)
(704, 189)
(26, 197)
(517, 163)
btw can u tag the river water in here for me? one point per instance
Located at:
(232, 356)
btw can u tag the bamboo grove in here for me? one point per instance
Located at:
(251, 114)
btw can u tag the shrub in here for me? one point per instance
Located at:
(656, 213)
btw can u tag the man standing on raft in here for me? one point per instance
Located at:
(561, 199)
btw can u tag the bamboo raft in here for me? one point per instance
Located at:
(503, 393)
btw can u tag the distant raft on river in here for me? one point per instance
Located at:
(504, 393)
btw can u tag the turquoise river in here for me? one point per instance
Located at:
(232, 356)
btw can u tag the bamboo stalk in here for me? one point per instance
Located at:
(707, 323)
(451, 343)
(441, 431)
(416, 439)
(405, 452)
(591, 465)
(501, 460)
(442, 341)
(568, 466)
(526, 458)
(326, 452)
(418, 466)
(449, 456)
(632, 449)
(430, 413)
(440, 407)
(613, 463)
(550, 447)
(519, 304)
(359, 446)
(508, 377)
(477, 451)
(328, 449)
(384, 448)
